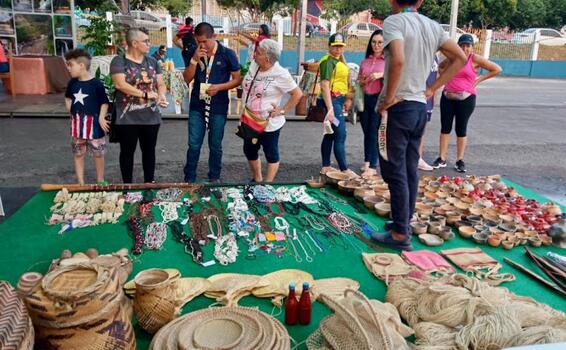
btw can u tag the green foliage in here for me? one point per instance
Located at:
(529, 13)
(107, 82)
(101, 6)
(97, 34)
(175, 7)
(491, 13)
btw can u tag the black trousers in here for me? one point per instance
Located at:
(405, 126)
(129, 136)
(459, 110)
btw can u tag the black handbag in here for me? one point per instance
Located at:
(113, 136)
(315, 112)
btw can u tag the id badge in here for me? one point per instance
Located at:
(202, 93)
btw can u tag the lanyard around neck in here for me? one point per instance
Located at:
(409, 9)
(210, 62)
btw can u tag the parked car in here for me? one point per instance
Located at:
(138, 19)
(459, 32)
(356, 30)
(548, 36)
(248, 27)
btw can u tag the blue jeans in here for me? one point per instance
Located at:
(336, 140)
(405, 126)
(369, 119)
(197, 129)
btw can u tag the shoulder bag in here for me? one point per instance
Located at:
(251, 125)
(315, 112)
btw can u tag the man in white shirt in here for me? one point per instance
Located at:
(410, 42)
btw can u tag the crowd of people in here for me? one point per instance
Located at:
(399, 76)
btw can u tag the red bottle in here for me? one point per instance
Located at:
(305, 305)
(291, 306)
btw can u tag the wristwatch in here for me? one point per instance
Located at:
(193, 61)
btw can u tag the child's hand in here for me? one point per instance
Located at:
(104, 124)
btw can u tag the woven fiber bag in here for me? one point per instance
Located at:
(16, 330)
(155, 303)
(83, 307)
(110, 331)
(73, 295)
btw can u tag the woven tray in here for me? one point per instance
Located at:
(15, 324)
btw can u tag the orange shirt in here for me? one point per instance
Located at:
(3, 57)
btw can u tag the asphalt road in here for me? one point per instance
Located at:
(518, 131)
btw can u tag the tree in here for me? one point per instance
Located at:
(491, 13)
(529, 13)
(556, 13)
(100, 6)
(256, 8)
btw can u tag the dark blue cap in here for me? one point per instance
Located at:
(466, 39)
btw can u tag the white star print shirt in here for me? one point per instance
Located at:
(86, 98)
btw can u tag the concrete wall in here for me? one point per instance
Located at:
(533, 69)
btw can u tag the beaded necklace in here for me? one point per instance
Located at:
(155, 235)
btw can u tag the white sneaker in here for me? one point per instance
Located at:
(424, 166)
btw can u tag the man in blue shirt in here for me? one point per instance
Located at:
(215, 70)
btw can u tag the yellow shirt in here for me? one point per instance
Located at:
(336, 72)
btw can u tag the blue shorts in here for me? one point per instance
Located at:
(270, 143)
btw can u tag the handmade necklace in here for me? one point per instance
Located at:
(333, 197)
(137, 234)
(309, 245)
(314, 222)
(226, 249)
(169, 211)
(155, 235)
(317, 244)
(340, 222)
(308, 258)
(281, 224)
(213, 220)
(169, 194)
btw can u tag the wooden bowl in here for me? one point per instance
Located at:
(418, 228)
(362, 192)
(480, 237)
(347, 187)
(466, 231)
(383, 209)
(333, 177)
(494, 240)
(371, 201)
(315, 183)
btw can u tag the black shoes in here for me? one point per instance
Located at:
(460, 166)
(439, 163)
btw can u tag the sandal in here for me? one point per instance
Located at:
(351, 173)
(327, 169)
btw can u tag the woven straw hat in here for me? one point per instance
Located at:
(223, 328)
(16, 330)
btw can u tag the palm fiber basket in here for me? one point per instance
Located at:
(16, 329)
(155, 303)
(83, 307)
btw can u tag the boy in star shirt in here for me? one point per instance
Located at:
(86, 99)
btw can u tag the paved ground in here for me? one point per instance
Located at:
(517, 131)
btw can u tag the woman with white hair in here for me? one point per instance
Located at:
(264, 86)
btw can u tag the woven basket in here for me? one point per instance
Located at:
(27, 281)
(155, 302)
(16, 330)
(73, 295)
(343, 330)
(111, 331)
(219, 328)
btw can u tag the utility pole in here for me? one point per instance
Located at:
(302, 32)
(454, 19)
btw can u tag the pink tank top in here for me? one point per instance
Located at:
(465, 79)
